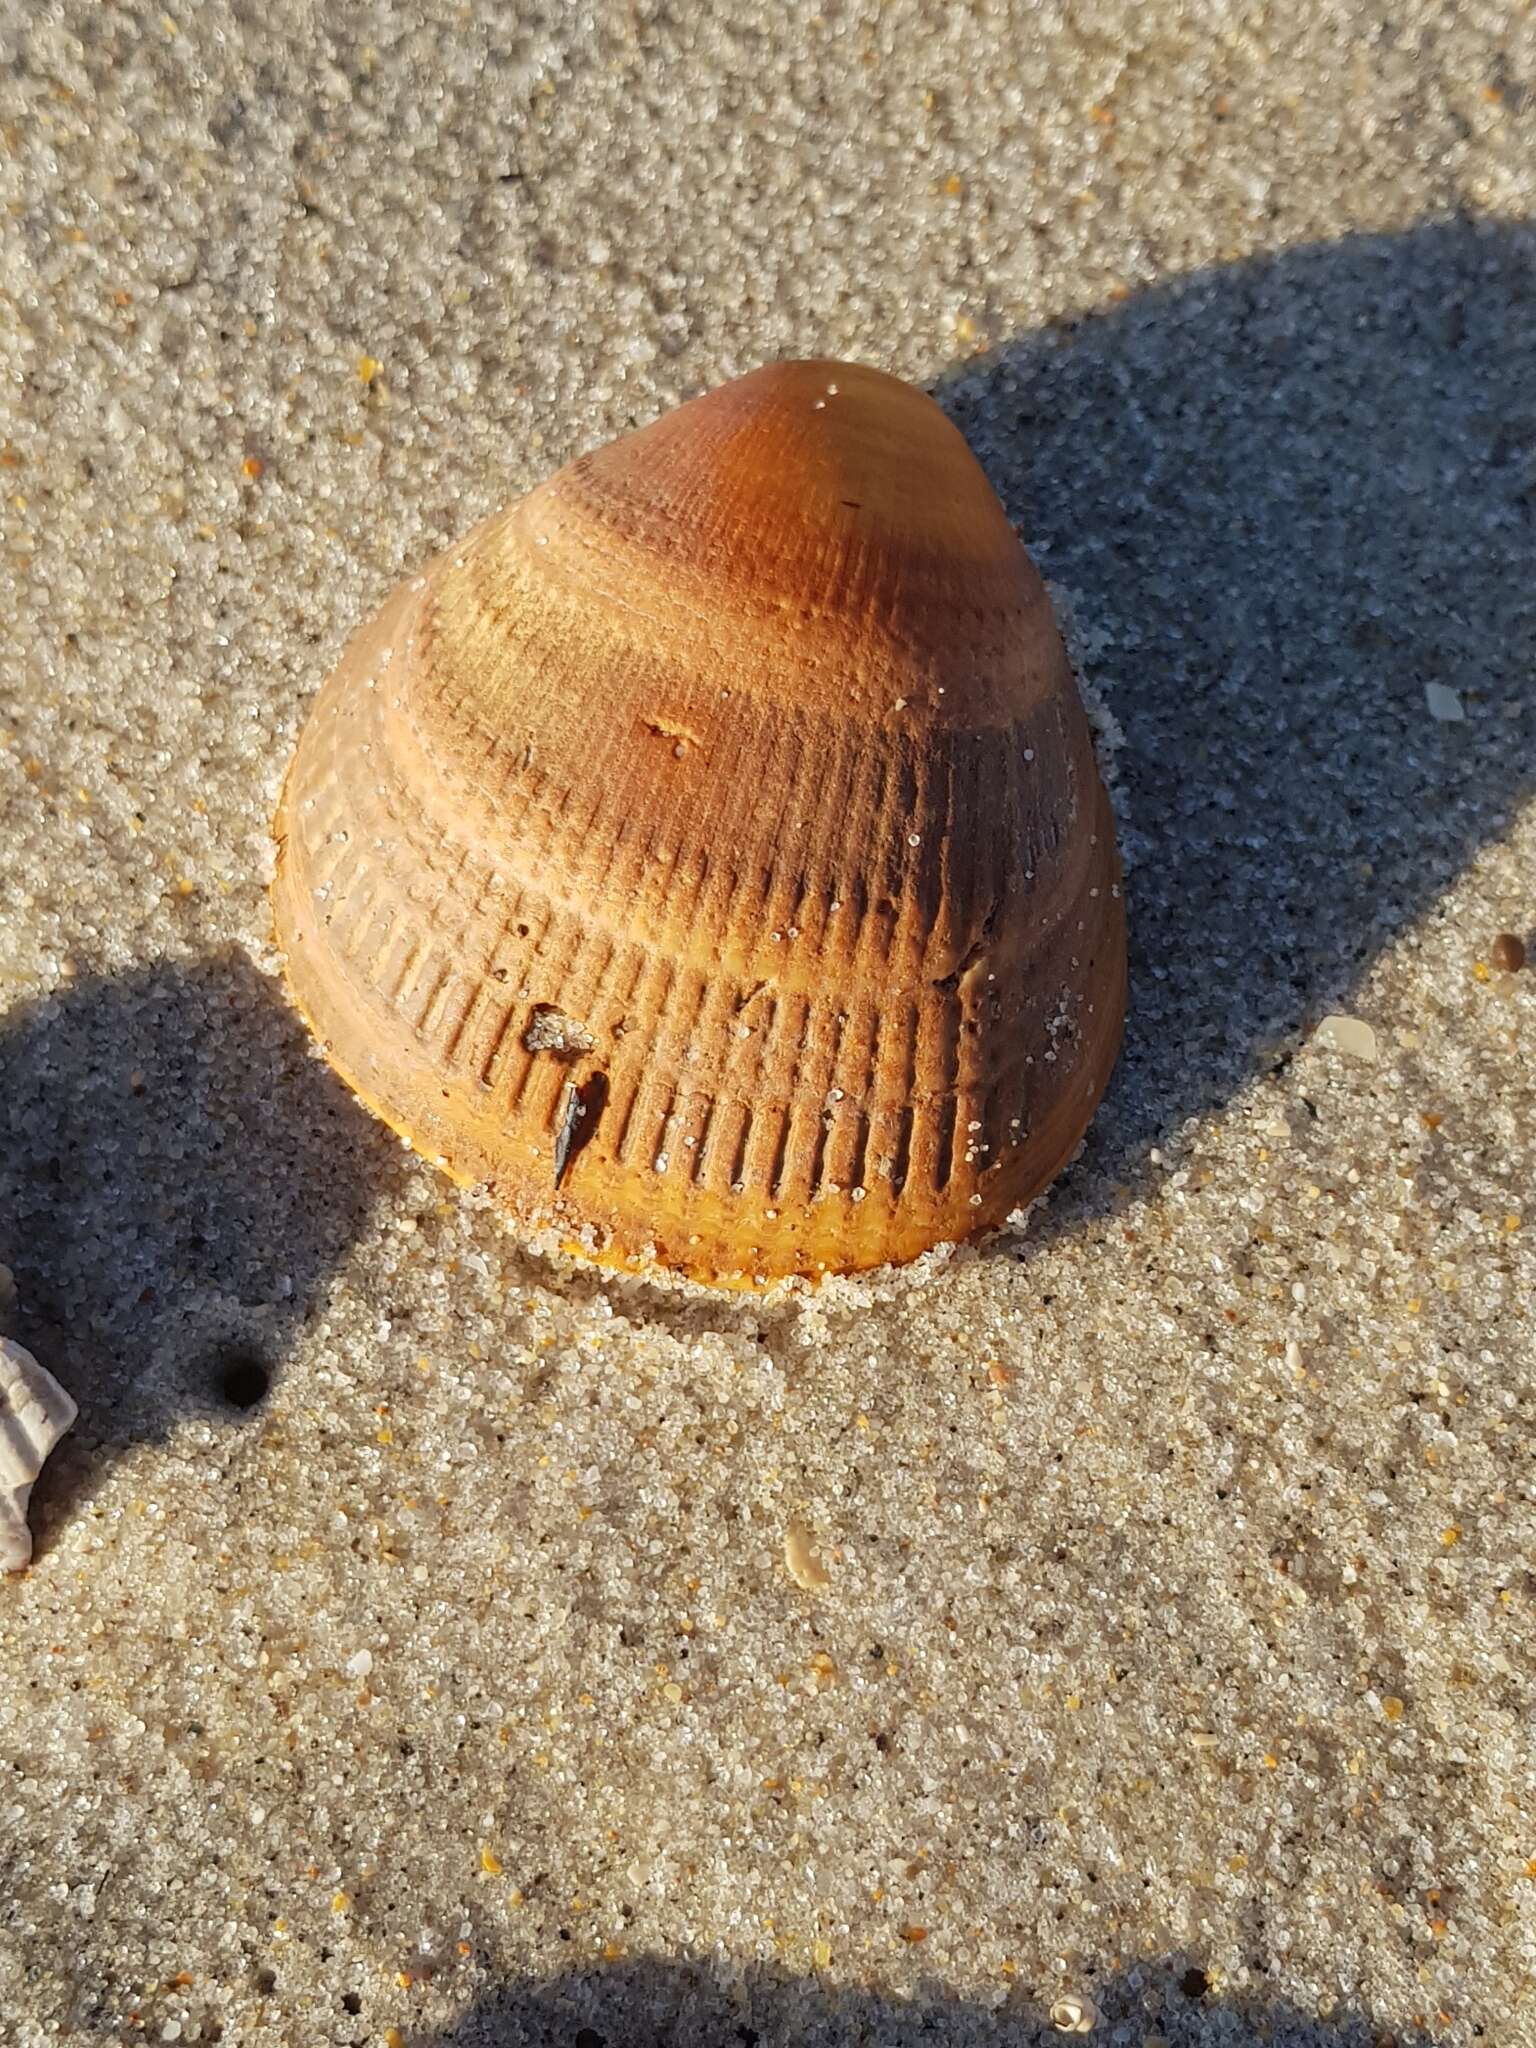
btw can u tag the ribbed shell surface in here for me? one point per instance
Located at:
(720, 821)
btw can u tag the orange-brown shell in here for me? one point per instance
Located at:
(721, 822)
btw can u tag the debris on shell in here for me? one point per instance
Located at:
(552, 1031)
(801, 1561)
(35, 1411)
(1349, 1035)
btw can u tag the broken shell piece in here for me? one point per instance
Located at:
(35, 1411)
(1074, 2015)
(801, 1561)
(612, 795)
(1350, 1035)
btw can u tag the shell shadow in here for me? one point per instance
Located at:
(178, 1178)
(1284, 497)
(656, 2003)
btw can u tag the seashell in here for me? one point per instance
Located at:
(35, 1411)
(709, 851)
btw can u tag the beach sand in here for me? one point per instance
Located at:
(410, 1654)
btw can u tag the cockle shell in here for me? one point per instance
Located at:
(709, 851)
(35, 1411)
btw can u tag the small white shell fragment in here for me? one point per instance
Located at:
(1444, 704)
(801, 1561)
(1351, 1035)
(1076, 2014)
(35, 1411)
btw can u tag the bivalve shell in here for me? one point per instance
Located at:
(709, 851)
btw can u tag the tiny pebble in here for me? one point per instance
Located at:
(1507, 953)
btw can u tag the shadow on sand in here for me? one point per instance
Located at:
(657, 2004)
(1285, 496)
(178, 1179)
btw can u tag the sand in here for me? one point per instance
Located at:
(411, 1654)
